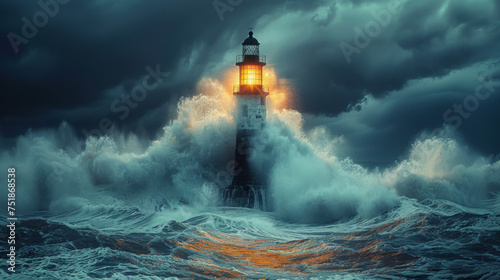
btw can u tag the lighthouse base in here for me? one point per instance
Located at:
(246, 195)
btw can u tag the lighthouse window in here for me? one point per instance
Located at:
(245, 111)
(251, 75)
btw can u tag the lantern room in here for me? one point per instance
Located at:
(250, 75)
(250, 63)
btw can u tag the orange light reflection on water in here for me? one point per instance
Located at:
(358, 251)
(231, 256)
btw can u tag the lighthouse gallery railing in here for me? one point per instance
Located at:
(241, 58)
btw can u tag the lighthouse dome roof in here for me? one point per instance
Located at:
(250, 40)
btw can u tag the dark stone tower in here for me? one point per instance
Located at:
(246, 189)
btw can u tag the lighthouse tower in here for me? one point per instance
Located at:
(247, 189)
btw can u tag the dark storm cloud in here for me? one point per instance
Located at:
(92, 52)
(90, 47)
(380, 129)
(423, 42)
(424, 39)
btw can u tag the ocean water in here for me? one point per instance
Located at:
(434, 239)
(119, 207)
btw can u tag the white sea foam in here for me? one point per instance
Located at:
(308, 181)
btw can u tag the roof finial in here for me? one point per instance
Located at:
(251, 32)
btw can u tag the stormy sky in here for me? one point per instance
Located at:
(378, 73)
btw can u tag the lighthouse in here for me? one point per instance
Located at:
(247, 188)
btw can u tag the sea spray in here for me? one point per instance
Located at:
(310, 180)
(439, 166)
(310, 186)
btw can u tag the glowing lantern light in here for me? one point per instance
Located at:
(250, 63)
